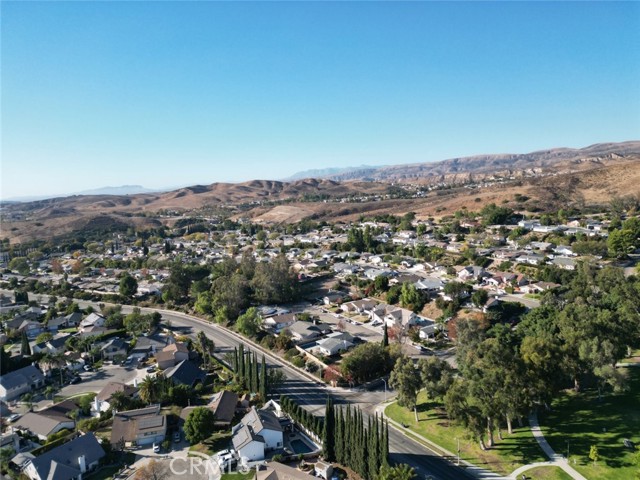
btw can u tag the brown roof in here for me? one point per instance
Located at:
(223, 404)
(128, 425)
(279, 471)
(176, 347)
(113, 387)
(163, 356)
(60, 411)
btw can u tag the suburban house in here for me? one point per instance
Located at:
(149, 345)
(92, 320)
(472, 272)
(359, 306)
(258, 432)
(55, 345)
(102, 399)
(429, 330)
(48, 421)
(334, 343)
(185, 373)
(565, 263)
(280, 322)
(223, 405)
(23, 380)
(400, 317)
(430, 285)
(67, 321)
(171, 355)
(143, 426)
(280, 471)
(306, 331)
(333, 297)
(115, 347)
(31, 328)
(68, 461)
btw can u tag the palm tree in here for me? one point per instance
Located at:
(49, 391)
(399, 472)
(28, 399)
(149, 389)
(119, 401)
(55, 360)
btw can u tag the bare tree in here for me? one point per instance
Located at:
(153, 470)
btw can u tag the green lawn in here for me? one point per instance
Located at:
(547, 473)
(583, 420)
(216, 442)
(515, 450)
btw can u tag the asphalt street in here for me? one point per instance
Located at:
(312, 394)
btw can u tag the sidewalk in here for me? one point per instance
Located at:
(556, 459)
(474, 470)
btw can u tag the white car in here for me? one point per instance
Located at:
(156, 448)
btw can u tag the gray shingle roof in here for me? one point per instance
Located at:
(28, 374)
(61, 463)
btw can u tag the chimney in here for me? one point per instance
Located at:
(82, 463)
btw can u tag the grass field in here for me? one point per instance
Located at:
(583, 420)
(216, 442)
(515, 450)
(547, 473)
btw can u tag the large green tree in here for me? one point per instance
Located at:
(406, 380)
(199, 425)
(128, 286)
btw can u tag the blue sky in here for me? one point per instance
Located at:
(171, 93)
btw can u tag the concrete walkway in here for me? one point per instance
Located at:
(555, 459)
(474, 470)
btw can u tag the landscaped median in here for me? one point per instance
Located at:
(514, 451)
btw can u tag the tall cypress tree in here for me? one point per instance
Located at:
(339, 443)
(241, 363)
(328, 437)
(348, 451)
(372, 450)
(385, 443)
(254, 374)
(385, 336)
(25, 348)
(263, 380)
(236, 363)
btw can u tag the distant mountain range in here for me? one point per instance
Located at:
(550, 179)
(558, 159)
(326, 172)
(121, 190)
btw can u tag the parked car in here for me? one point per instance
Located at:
(151, 369)
(156, 448)
(87, 368)
(75, 380)
(14, 417)
(176, 437)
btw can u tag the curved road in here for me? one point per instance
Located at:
(313, 393)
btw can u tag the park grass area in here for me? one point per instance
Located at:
(584, 420)
(514, 451)
(216, 442)
(547, 473)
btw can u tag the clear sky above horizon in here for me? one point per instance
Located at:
(174, 93)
